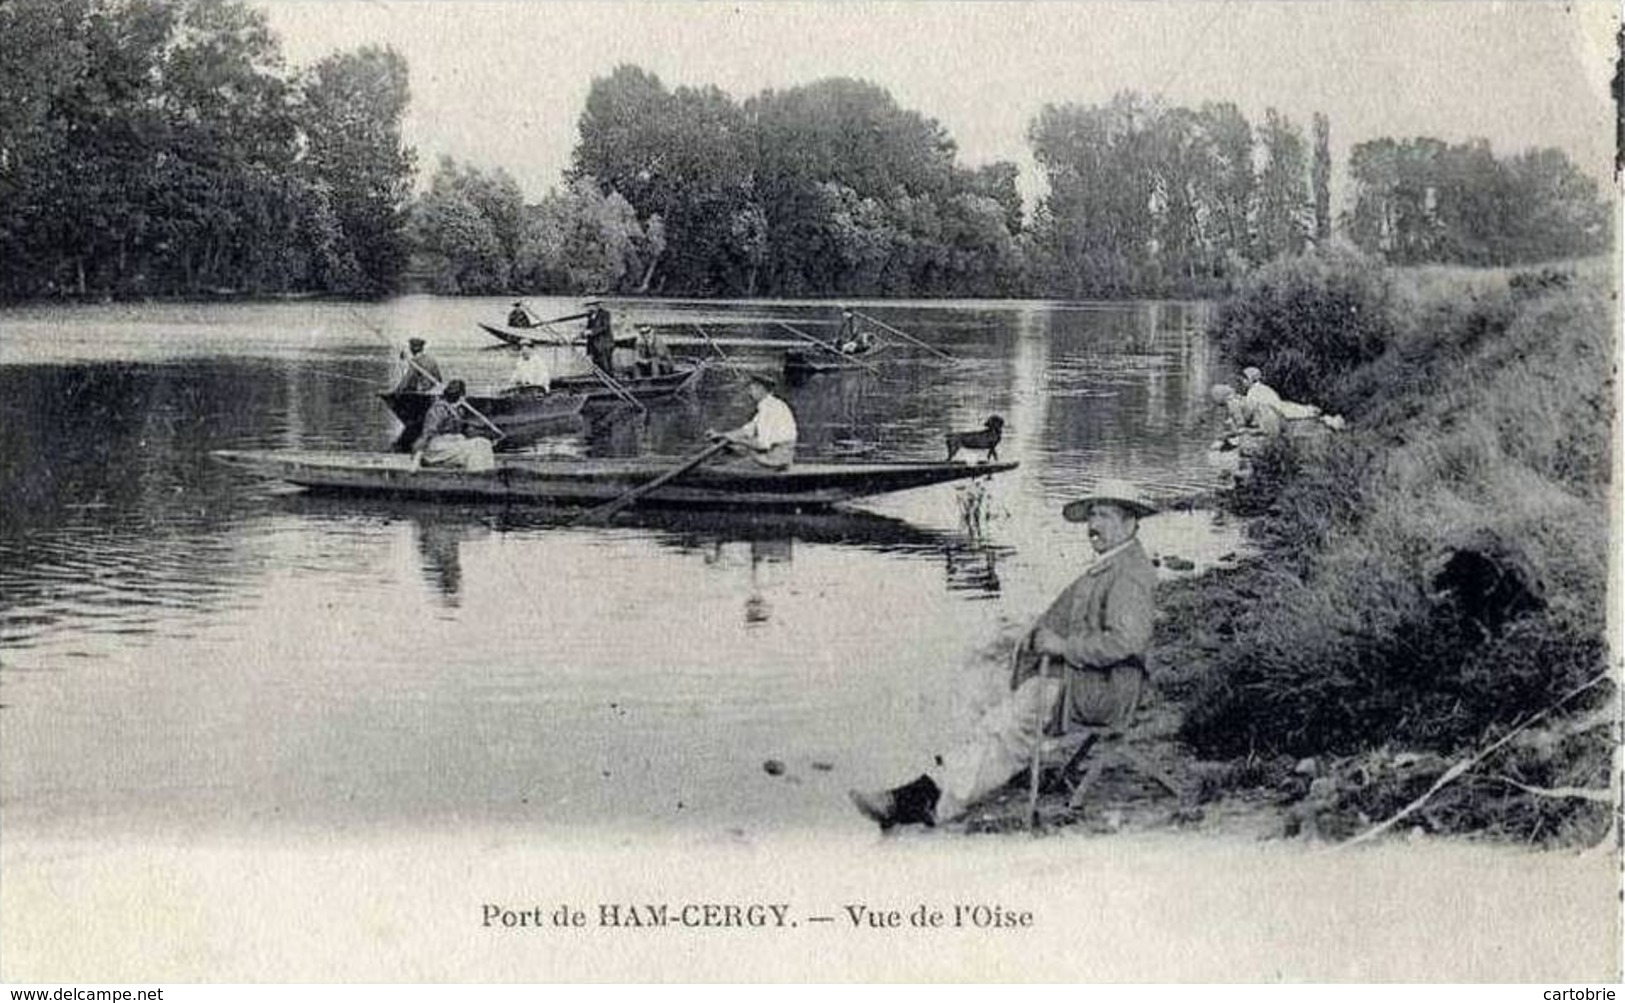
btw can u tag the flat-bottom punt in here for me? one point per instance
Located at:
(534, 480)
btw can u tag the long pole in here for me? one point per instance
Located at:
(610, 508)
(828, 348)
(740, 373)
(907, 337)
(619, 390)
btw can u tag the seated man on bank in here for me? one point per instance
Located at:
(445, 442)
(1098, 630)
(769, 438)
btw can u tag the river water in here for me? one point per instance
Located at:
(187, 649)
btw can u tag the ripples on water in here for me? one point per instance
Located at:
(190, 644)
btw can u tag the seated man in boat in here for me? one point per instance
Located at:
(422, 374)
(853, 339)
(1097, 632)
(520, 315)
(444, 441)
(769, 438)
(531, 371)
(654, 356)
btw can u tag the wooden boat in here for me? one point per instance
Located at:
(514, 413)
(800, 364)
(520, 337)
(644, 388)
(537, 480)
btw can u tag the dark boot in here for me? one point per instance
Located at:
(913, 803)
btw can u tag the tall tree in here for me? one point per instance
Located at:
(1321, 179)
(351, 109)
(1284, 209)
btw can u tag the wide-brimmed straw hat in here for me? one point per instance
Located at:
(1109, 491)
(764, 378)
(1252, 373)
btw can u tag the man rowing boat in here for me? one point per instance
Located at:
(769, 438)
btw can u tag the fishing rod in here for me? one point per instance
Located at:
(435, 381)
(906, 336)
(828, 348)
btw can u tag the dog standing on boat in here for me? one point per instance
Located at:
(987, 437)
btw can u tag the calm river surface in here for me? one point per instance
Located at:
(187, 649)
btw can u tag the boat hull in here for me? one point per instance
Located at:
(532, 480)
(519, 337)
(512, 413)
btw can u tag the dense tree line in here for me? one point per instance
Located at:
(1422, 200)
(161, 147)
(151, 147)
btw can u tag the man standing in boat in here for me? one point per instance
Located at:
(600, 337)
(1097, 630)
(769, 438)
(422, 373)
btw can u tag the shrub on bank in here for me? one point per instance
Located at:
(1306, 321)
(1436, 576)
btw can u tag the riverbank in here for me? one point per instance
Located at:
(1423, 635)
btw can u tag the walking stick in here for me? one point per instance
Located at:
(1037, 771)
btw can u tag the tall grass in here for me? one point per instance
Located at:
(1483, 425)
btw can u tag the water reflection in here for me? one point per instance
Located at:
(159, 603)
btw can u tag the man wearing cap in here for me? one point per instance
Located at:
(769, 438)
(422, 373)
(1097, 629)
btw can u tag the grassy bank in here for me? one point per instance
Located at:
(1431, 585)
(1434, 577)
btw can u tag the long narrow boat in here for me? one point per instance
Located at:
(516, 412)
(645, 388)
(519, 337)
(536, 480)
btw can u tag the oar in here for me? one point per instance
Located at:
(828, 348)
(619, 390)
(907, 337)
(608, 509)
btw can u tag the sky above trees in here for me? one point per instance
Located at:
(504, 83)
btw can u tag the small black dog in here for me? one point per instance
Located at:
(987, 437)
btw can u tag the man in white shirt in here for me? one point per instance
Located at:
(769, 438)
